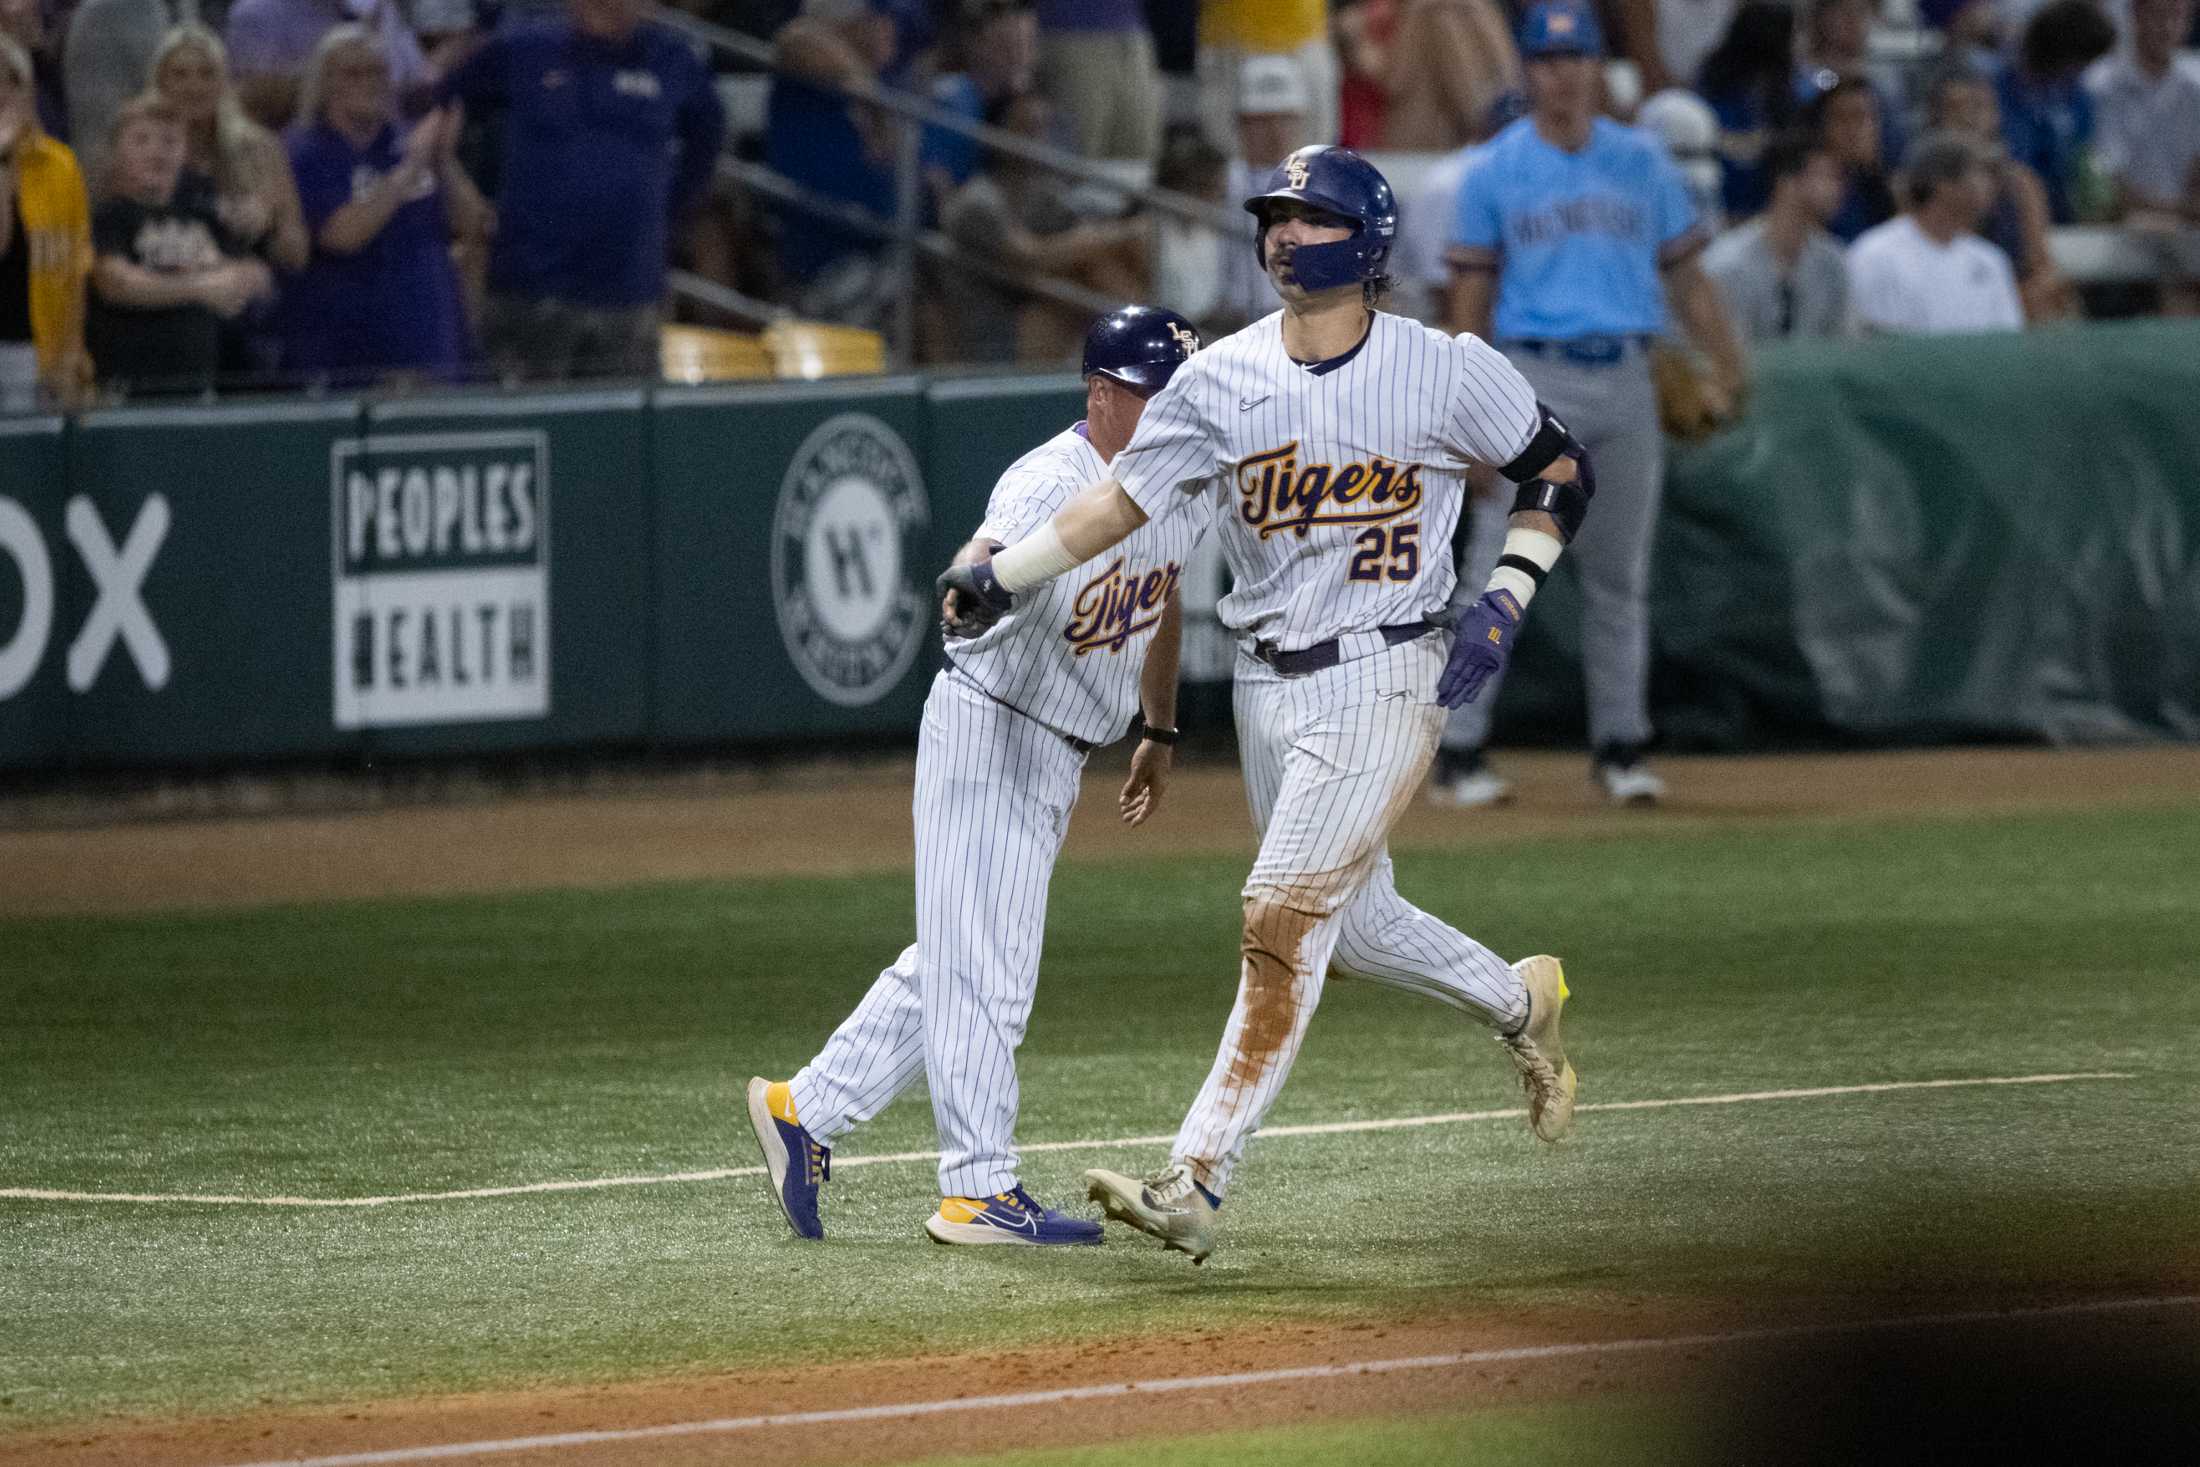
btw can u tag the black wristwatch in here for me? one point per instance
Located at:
(1158, 735)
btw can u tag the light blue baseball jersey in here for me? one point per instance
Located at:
(1578, 240)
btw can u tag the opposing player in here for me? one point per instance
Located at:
(1332, 440)
(1571, 234)
(1006, 729)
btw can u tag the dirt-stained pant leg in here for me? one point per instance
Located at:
(1331, 760)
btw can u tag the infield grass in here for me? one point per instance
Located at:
(379, 1048)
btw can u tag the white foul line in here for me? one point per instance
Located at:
(1167, 1385)
(1330, 1128)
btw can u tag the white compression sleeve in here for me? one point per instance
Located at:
(1536, 546)
(1034, 560)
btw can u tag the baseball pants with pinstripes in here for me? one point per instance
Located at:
(1331, 760)
(993, 798)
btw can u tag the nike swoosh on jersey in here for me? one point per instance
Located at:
(1247, 404)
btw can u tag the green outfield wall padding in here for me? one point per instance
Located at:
(1903, 541)
(1923, 540)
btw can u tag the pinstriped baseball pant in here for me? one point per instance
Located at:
(1331, 760)
(993, 797)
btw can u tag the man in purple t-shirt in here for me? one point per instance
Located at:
(1096, 63)
(611, 135)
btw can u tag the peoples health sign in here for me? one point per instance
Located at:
(441, 560)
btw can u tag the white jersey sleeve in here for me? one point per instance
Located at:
(1176, 451)
(1493, 413)
(1023, 499)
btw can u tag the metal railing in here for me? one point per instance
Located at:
(904, 235)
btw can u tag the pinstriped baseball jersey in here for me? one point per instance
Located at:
(1336, 484)
(1069, 655)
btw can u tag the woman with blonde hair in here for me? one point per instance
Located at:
(45, 250)
(380, 294)
(256, 195)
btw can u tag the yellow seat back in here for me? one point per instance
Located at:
(706, 354)
(810, 349)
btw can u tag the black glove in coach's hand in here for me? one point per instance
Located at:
(972, 597)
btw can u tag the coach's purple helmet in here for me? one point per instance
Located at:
(1140, 347)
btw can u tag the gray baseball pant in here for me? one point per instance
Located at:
(1614, 412)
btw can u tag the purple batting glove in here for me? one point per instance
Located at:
(1479, 651)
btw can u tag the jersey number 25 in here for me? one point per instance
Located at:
(1390, 552)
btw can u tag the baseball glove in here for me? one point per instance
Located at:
(1683, 409)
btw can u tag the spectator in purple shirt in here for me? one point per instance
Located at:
(270, 42)
(611, 135)
(380, 295)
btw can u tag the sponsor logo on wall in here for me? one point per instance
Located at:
(843, 545)
(442, 578)
(119, 614)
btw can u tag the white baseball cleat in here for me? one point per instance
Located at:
(1168, 1205)
(1469, 783)
(1537, 1051)
(1625, 779)
(1479, 790)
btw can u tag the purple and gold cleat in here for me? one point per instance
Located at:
(798, 1162)
(1010, 1218)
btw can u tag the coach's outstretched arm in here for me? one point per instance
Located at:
(1099, 516)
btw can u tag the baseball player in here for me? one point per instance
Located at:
(1332, 441)
(1010, 719)
(1579, 228)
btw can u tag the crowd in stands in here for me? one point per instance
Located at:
(292, 198)
(1829, 164)
(373, 191)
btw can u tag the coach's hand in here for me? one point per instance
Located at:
(1150, 765)
(970, 598)
(1478, 653)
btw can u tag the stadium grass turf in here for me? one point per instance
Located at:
(384, 1047)
(1622, 1432)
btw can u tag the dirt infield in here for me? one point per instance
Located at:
(1637, 1345)
(850, 820)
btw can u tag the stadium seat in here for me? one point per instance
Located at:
(706, 354)
(809, 350)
